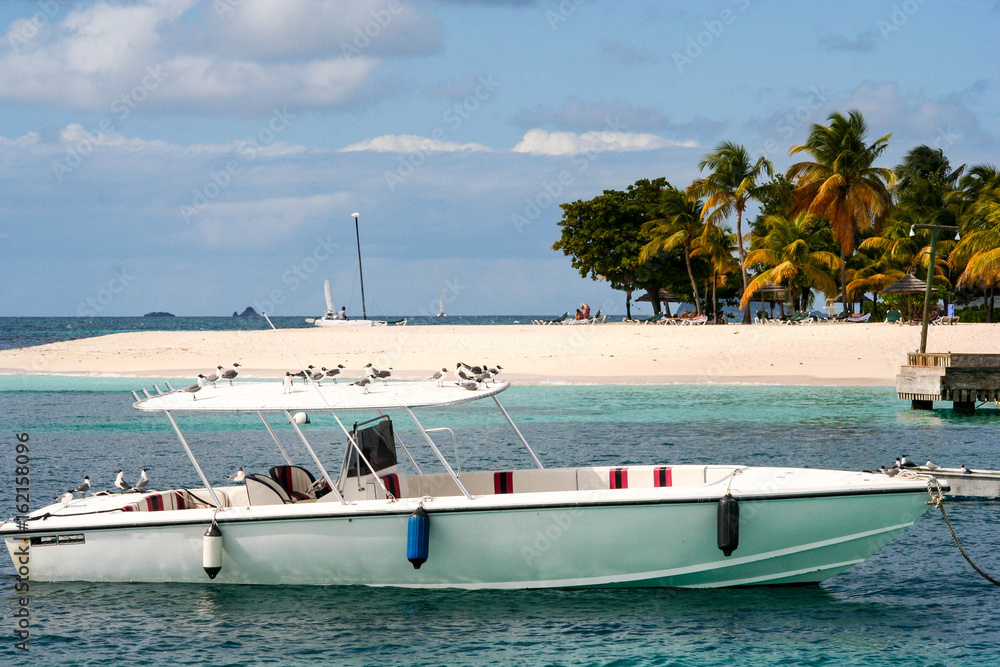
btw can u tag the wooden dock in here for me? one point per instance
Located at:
(963, 379)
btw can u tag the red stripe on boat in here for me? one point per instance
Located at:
(503, 482)
(662, 476)
(619, 478)
(391, 482)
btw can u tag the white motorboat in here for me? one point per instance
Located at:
(382, 521)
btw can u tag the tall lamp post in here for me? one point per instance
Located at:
(361, 271)
(930, 274)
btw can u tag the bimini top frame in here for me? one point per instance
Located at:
(263, 397)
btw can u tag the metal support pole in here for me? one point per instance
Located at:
(927, 293)
(274, 436)
(518, 431)
(194, 461)
(406, 451)
(438, 453)
(326, 475)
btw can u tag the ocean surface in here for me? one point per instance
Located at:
(915, 602)
(27, 331)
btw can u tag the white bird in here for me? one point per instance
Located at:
(66, 497)
(315, 374)
(120, 481)
(905, 462)
(892, 472)
(238, 476)
(495, 371)
(370, 370)
(230, 374)
(471, 385)
(898, 464)
(965, 471)
(84, 486)
(195, 388)
(461, 374)
(363, 382)
(287, 383)
(439, 376)
(143, 481)
(333, 372)
(931, 466)
(384, 375)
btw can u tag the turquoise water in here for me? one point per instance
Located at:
(915, 602)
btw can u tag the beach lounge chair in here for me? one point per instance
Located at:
(597, 318)
(858, 319)
(694, 321)
(944, 319)
(558, 320)
(652, 319)
(893, 317)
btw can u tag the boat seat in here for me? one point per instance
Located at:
(178, 499)
(262, 490)
(294, 480)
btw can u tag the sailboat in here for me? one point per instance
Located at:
(441, 307)
(331, 318)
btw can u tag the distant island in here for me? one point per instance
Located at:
(159, 313)
(248, 312)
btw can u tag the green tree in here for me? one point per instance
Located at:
(842, 184)
(603, 236)
(788, 253)
(733, 181)
(977, 254)
(676, 224)
(717, 245)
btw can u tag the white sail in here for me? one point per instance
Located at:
(441, 306)
(329, 296)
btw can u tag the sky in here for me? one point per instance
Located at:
(199, 158)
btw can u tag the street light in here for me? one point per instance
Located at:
(361, 271)
(930, 274)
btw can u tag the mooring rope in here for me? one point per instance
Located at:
(937, 500)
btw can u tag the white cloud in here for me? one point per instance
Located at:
(409, 143)
(254, 225)
(260, 54)
(542, 142)
(21, 142)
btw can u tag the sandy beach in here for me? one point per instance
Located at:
(849, 354)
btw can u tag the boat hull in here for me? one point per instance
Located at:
(635, 540)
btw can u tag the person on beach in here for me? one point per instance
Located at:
(579, 315)
(586, 311)
(342, 315)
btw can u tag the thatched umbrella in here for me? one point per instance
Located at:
(772, 294)
(908, 284)
(665, 298)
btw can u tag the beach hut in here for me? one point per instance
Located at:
(772, 294)
(665, 298)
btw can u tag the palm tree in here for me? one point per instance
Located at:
(717, 244)
(733, 181)
(979, 249)
(874, 277)
(787, 252)
(841, 183)
(677, 224)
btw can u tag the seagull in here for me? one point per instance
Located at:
(439, 376)
(495, 371)
(66, 497)
(370, 370)
(315, 374)
(230, 374)
(287, 384)
(898, 464)
(84, 486)
(965, 471)
(461, 374)
(475, 370)
(471, 385)
(214, 377)
(892, 472)
(238, 476)
(931, 466)
(195, 388)
(298, 374)
(363, 382)
(120, 482)
(143, 481)
(384, 375)
(906, 463)
(333, 372)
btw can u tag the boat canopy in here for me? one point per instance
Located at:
(270, 397)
